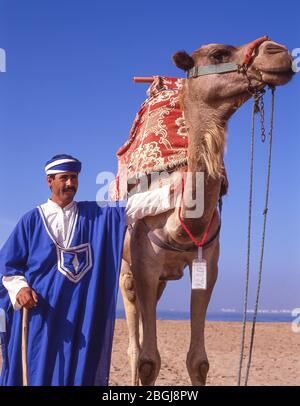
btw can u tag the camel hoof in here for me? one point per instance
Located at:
(197, 369)
(202, 373)
(147, 372)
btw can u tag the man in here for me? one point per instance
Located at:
(62, 262)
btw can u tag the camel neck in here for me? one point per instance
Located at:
(205, 162)
(207, 137)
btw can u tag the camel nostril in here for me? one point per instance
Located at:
(275, 49)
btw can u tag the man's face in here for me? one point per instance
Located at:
(64, 186)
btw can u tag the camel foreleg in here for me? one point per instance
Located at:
(127, 287)
(197, 361)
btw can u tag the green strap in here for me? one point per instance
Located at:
(212, 69)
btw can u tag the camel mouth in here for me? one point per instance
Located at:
(278, 71)
(277, 77)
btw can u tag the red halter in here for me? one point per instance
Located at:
(251, 47)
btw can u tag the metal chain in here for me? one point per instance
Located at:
(259, 105)
(260, 108)
(262, 118)
(244, 71)
(257, 97)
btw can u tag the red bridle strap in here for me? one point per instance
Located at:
(252, 46)
(206, 233)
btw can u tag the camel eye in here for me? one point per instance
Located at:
(219, 56)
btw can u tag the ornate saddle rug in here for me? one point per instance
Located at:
(158, 137)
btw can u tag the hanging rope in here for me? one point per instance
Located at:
(254, 109)
(265, 212)
(257, 106)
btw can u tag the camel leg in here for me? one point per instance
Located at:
(132, 318)
(149, 368)
(161, 288)
(197, 361)
(149, 289)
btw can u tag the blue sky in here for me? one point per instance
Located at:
(68, 89)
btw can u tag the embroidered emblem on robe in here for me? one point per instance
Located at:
(74, 262)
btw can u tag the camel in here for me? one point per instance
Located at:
(208, 102)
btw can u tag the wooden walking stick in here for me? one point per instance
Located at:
(24, 346)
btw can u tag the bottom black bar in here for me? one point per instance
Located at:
(133, 395)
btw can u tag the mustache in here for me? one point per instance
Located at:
(70, 188)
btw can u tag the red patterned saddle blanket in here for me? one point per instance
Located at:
(158, 138)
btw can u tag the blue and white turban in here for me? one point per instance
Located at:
(62, 163)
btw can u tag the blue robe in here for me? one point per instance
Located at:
(70, 331)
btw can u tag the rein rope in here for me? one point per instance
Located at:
(258, 106)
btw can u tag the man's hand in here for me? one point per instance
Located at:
(27, 297)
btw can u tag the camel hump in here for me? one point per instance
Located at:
(158, 138)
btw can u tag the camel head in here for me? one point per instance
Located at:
(249, 67)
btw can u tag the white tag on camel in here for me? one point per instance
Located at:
(199, 270)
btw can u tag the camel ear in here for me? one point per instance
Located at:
(183, 60)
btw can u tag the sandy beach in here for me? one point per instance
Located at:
(275, 360)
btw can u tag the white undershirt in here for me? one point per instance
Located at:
(60, 222)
